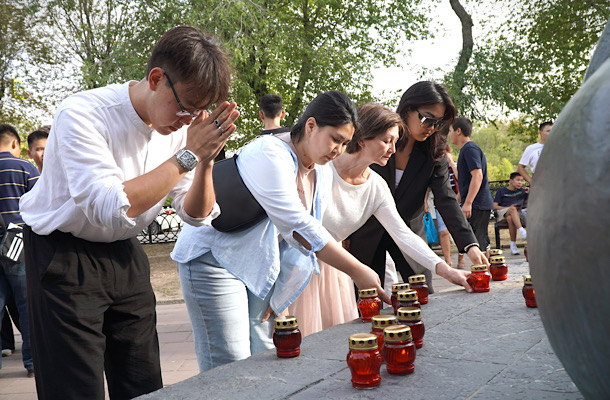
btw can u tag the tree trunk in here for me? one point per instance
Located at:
(467, 45)
(296, 105)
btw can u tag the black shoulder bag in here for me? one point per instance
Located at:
(239, 210)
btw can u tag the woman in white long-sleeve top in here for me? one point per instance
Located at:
(357, 194)
(232, 281)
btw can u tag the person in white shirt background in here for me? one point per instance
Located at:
(532, 152)
(112, 157)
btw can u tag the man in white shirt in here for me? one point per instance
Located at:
(532, 152)
(112, 157)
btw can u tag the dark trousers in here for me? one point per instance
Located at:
(6, 333)
(378, 264)
(479, 221)
(91, 309)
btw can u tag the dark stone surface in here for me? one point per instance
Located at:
(569, 235)
(483, 346)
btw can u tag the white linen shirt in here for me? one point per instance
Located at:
(97, 142)
(255, 256)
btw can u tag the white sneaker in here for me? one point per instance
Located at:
(522, 233)
(514, 249)
(6, 352)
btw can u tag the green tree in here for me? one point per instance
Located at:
(21, 87)
(533, 63)
(298, 48)
(102, 37)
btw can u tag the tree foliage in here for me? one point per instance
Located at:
(21, 73)
(298, 48)
(532, 64)
(535, 62)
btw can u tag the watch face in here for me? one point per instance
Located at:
(187, 159)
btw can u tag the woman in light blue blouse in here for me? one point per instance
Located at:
(233, 282)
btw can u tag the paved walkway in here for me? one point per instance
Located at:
(178, 360)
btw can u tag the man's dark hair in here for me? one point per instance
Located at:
(8, 131)
(514, 175)
(271, 105)
(330, 108)
(40, 133)
(194, 58)
(464, 124)
(546, 123)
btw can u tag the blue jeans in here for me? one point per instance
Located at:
(226, 317)
(12, 278)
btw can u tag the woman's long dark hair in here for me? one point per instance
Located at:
(331, 108)
(426, 93)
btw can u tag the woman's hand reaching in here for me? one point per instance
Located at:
(457, 277)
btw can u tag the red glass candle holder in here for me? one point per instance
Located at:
(479, 278)
(364, 360)
(397, 287)
(418, 283)
(408, 298)
(380, 322)
(498, 269)
(398, 350)
(495, 252)
(528, 292)
(411, 317)
(368, 304)
(287, 337)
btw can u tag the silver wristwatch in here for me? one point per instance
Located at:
(187, 159)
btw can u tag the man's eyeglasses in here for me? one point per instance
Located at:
(430, 122)
(182, 113)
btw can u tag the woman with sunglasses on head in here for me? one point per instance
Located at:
(233, 282)
(419, 163)
(357, 194)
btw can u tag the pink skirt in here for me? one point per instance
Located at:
(328, 300)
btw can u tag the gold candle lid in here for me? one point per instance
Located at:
(498, 260)
(409, 314)
(527, 279)
(397, 333)
(363, 341)
(287, 322)
(495, 252)
(478, 268)
(383, 321)
(397, 287)
(417, 278)
(407, 295)
(367, 293)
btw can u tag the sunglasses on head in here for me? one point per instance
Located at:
(430, 122)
